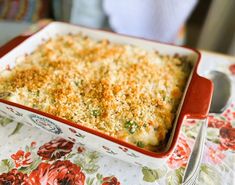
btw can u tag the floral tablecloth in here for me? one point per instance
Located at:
(30, 156)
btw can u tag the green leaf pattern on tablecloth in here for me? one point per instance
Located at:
(4, 121)
(88, 161)
(175, 176)
(90, 181)
(209, 175)
(151, 175)
(31, 167)
(17, 128)
(213, 135)
(6, 165)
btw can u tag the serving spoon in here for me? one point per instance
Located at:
(220, 100)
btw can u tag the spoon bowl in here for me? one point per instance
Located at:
(222, 91)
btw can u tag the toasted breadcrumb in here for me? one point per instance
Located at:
(121, 90)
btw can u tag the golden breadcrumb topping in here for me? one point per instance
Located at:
(121, 90)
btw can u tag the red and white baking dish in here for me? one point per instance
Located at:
(194, 104)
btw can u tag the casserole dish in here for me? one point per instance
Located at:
(194, 104)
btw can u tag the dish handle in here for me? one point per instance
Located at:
(12, 44)
(198, 98)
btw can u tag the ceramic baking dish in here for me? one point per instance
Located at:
(195, 102)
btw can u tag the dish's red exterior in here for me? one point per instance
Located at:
(196, 104)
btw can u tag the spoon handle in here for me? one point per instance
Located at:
(195, 159)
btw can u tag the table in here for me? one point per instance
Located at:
(30, 155)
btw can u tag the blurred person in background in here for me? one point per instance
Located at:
(160, 20)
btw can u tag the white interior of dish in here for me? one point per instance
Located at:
(58, 28)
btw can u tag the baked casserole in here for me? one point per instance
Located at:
(121, 90)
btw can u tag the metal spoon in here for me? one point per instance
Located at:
(220, 100)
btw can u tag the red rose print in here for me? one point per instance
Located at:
(110, 181)
(233, 114)
(232, 69)
(227, 138)
(81, 149)
(217, 123)
(60, 172)
(37, 176)
(14, 177)
(180, 156)
(22, 159)
(215, 155)
(33, 144)
(55, 149)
